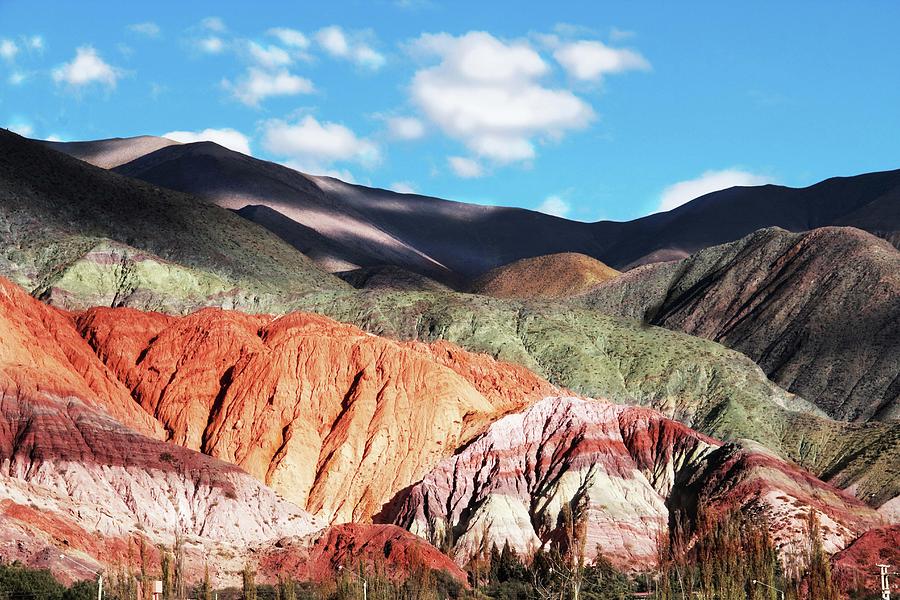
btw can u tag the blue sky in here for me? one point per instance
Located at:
(594, 110)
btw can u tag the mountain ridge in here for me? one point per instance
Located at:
(369, 227)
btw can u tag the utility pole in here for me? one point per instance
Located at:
(885, 585)
(99, 574)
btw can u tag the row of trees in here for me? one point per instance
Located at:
(731, 556)
(717, 556)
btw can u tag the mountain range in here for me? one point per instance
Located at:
(364, 375)
(344, 226)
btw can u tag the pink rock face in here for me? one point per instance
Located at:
(628, 467)
(510, 483)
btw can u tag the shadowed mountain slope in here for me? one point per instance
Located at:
(818, 311)
(551, 276)
(59, 215)
(454, 242)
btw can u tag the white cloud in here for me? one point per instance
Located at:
(211, 44)
(35, 42)
(333, 40)
(617, 35)
(290, 37)
(591, 60)
(405, 128)
(270, 56)
(17, 78)
(8, 50)
(54, 138)
(485, 93)
(148, 28)
(403, 187)
(554, 205)
(259, 84)
(336, 42)
(312, 145)
(230, 138)
(23, 129)
(684, 191)
(213, 24)
(86, 68)
(466, 168)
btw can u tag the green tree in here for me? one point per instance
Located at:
(205, 587)
(248, 583)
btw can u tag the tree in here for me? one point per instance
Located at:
(249, 583)
(818, 568)
(165, 565)
(178, 585)
(205, 587)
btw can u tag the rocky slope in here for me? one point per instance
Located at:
(552, 276)
(624, 471)
(64, 454)
(355, 226)
(700, 383)
(390, 278)
(74, 479)
(817, 311)
(86, 235)
(335, 419)
(323, 555)
(855, 567)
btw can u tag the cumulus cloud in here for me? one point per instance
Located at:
(314, 146)
(486, 93)
(290, 37)
(590, 60)
(86, 68)
(405, 128)
(466, 168)
(710, 181)
(211, 44)
(338, 43)
(148, 29)
(269, 56)
(259, 84)
(403, 187)
(17, 78)
(8, 50)
(35, 42)
(230, 138)
(554, 205)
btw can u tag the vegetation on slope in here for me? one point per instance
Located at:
(55, 209)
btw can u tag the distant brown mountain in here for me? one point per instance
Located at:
(346, 226)
(552, 276)
(817, 311)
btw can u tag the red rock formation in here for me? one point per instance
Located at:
(41, 353)
(624, 468)
(854, 567)
(74, 479)
(323, 555)
(336, 419)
